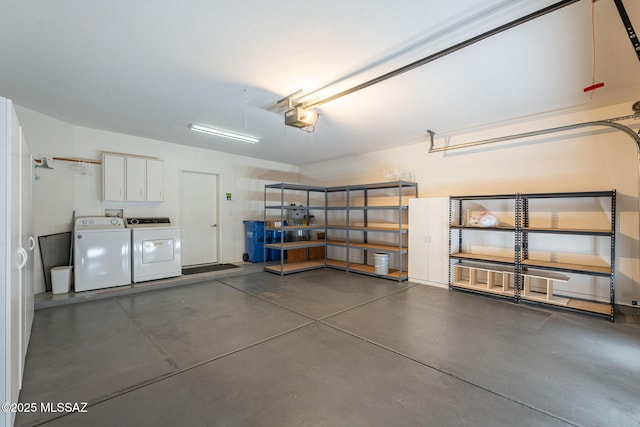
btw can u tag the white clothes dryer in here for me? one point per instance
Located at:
(101, 253)
(156, 250)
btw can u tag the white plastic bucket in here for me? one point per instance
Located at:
(381, 264)
(61, 279)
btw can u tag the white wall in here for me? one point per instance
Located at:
(580, 160)
(60, 191)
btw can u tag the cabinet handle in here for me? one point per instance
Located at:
(32, 243)
(24, 258)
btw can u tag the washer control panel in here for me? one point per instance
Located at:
(89, 222)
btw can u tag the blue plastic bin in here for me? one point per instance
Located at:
(254, 240)
(273, 236)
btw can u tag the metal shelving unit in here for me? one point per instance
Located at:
(604, 233)
(359, 231)
(294, 234)
(374, 221)
(520, 275)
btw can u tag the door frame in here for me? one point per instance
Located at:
(218, 175)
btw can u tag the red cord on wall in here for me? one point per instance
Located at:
(593, 87)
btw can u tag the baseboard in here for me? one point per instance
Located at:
(429, 283)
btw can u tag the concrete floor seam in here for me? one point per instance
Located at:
(367, 302)
(268, 301)
(147, 335)
(322, 321)
(178, 372)
(324, 317)
(426, 365)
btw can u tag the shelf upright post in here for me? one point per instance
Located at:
(283, 232)
(400, 238)
(348, 231)
(326, 224)
(460, 223)
(612, 277)
(450, 262)
(517, 279)
(525, 224)
(264, 231)
(366, 223)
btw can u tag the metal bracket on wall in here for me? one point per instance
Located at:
(607, 123)
(633, 36)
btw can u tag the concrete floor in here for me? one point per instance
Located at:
(328, 348)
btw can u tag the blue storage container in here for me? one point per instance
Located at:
(273, 236)
(254, 241)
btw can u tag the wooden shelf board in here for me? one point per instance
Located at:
(477, 257)
(294, 267)
(585, 231)
(542, 297)
(469, 227)
(568, 195)
(369, 269)
(602, 271)
(296, 245)
(482, 287)
(590, 306)
(336, 263)
(368, 246)
(337, 226)
(297, 227)
(489, 267)
(375, 186)
(289, 186)
(404, 228)
(509, 269)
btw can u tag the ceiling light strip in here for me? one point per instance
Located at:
(223, 133)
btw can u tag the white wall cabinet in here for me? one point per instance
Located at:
(429, 241)
(113, 177)
(16, 266)
(154, 180)
(131, 178)
(135, 177)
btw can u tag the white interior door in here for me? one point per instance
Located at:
(18, 260)
(199, 217)
(28, 243)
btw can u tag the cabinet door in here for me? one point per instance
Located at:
(135, 179)
(18, 260)
(429, 240)
(112, 178)
(155, 180)
(438, 214)
(418, 240)
(28, 243)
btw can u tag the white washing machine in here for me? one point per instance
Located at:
(155, 249)
(101, 253)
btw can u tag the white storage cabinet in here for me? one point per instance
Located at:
(429, 241)
(131, 178)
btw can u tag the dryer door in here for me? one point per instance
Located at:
(157, 250)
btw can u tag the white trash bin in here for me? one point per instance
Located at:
(61, 279)
(381, 264)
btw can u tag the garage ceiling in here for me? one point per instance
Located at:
(152, 68)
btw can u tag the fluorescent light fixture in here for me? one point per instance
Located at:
(223, 133)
